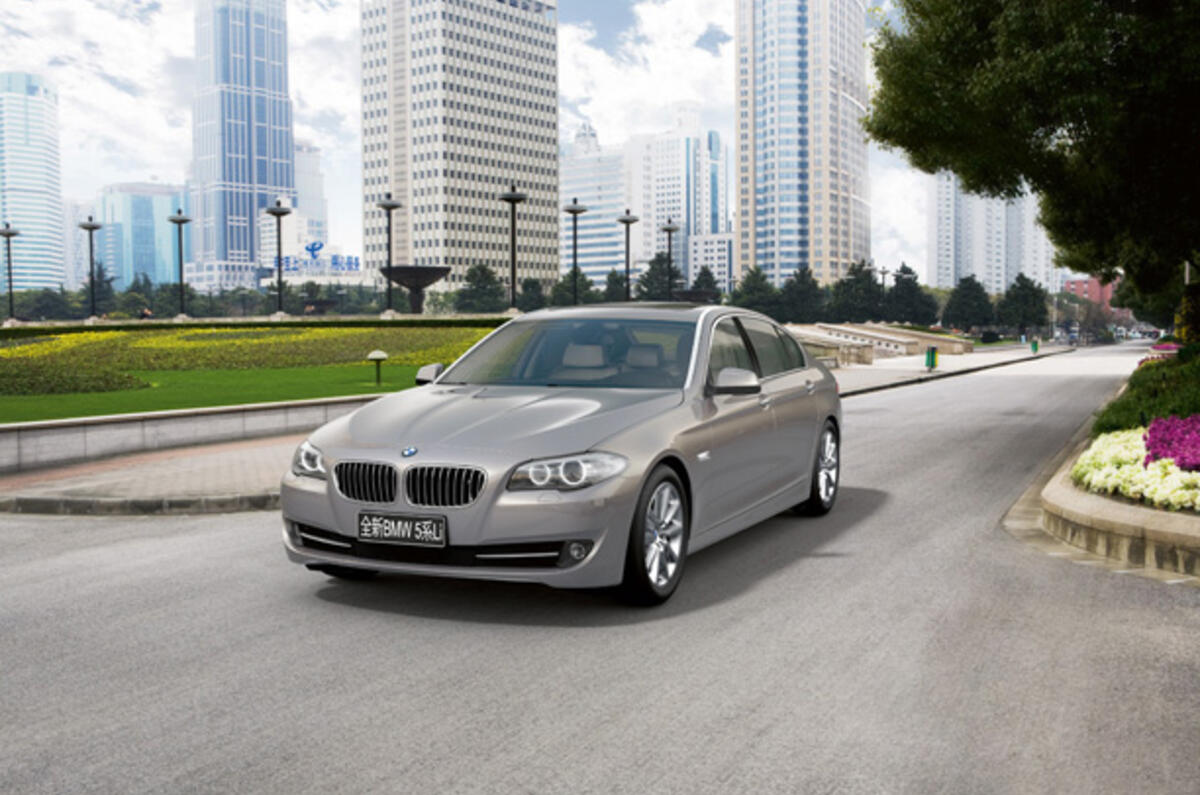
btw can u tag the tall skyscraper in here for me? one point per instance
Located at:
(30, 180)
(137, 239)
(596, 176)
(242, 147)
(460, 100)
(803, 188)
(310, 190)
(75, 252)
(990, 239)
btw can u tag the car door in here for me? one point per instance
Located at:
(738, 429)
(788, 388)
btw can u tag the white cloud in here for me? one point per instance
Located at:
(898, 212)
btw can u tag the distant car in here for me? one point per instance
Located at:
(579, 448)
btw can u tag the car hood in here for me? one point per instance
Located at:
(521, 421)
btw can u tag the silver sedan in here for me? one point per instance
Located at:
(579, 448)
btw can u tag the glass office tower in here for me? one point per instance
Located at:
(243, 148)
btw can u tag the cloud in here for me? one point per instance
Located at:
(898, 212)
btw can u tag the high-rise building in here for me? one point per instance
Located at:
(596, 177)
(988, 238)
(803, 188)
(137, 239)
(714, 252)
(75, 252)
(242, 147)
(30, 180)
(460, 101)
(310, 190)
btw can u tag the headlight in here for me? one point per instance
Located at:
(567, 473)
(308, 462)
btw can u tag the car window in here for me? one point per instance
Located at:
(792, 350)
(772, 358)
(728, 349)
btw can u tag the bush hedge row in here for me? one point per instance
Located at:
(1156, 389)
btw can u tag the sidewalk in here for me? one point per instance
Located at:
(244, 475)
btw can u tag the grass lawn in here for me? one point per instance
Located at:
(180, 389)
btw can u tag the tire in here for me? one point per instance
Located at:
(651, 580)
(822, 494)
(346, 572)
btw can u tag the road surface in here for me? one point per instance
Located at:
(904, 643)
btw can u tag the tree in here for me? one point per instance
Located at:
(481, 293)
(1092, 104)
(106, 296)
(969, 306)
(1023, 305)
(756, 292)
(572, 284)
(857, 297)
(1157, 309)
(531, 296)
(802, 300)
(652, 284)
(705, 280)
(614, 286)
(907, 301)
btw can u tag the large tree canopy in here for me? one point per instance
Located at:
(1094, 104)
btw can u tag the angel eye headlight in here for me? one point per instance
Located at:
(567, 473)
(308, 461)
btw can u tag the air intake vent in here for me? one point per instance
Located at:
(366, 482)
(443, 487)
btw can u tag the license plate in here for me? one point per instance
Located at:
(387, 528)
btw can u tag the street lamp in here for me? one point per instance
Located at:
(575, 209)
(513, 197)
(179, 219)
(389, 205)
(8, 233)
(627, 221)
(90, 227)
(279, 211)
(670, 228)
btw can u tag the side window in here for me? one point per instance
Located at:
(728, 349)
(792, 349)
(772, 357)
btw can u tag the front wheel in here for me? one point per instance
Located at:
(826, 473)
(658, 540)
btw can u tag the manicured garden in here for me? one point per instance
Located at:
(86, 373)
(1147, 445)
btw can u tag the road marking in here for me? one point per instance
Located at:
(1181, 579)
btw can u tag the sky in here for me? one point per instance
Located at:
(123, 70)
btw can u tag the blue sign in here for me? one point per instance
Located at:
(314, 248)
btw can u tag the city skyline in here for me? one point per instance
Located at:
(125, 74)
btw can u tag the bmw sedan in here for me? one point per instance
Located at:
(580, 447)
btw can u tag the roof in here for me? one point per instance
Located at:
(641, 310)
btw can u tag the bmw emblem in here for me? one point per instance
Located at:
(408, 452)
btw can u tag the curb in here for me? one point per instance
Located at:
(939, 376)
(146, 506)
(268, 501)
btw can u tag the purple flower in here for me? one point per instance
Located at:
(1165, 346)
(1175, 438)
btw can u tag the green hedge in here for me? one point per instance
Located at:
(407, 322)
(1156, 389)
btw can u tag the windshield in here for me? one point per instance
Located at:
(591, 352)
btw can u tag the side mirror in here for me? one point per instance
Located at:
(429, 373)
(736, 381)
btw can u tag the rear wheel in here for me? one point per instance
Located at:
(345, 572)
(658, 540)
(826, 474)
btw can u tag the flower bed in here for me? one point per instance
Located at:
(1118, 463)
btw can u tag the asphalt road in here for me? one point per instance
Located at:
(905, 643)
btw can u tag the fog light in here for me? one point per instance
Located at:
(574, 552)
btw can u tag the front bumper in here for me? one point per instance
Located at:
(498, 522)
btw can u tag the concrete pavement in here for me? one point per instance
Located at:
(904, 643)
(245, 475)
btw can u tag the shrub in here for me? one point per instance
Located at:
(989, 337)
(1162, 389)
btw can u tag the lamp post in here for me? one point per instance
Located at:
(8, 233)
(513, 198)
(90, 227)
(279, 211)
(179, 219)
(575, 209)
(389, 205)
(670, 227)
(627, 221)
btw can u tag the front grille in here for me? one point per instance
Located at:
(442, 487)
(541, 554)
(366, 482)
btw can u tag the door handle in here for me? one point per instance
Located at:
(810, 386)
(764, 401)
